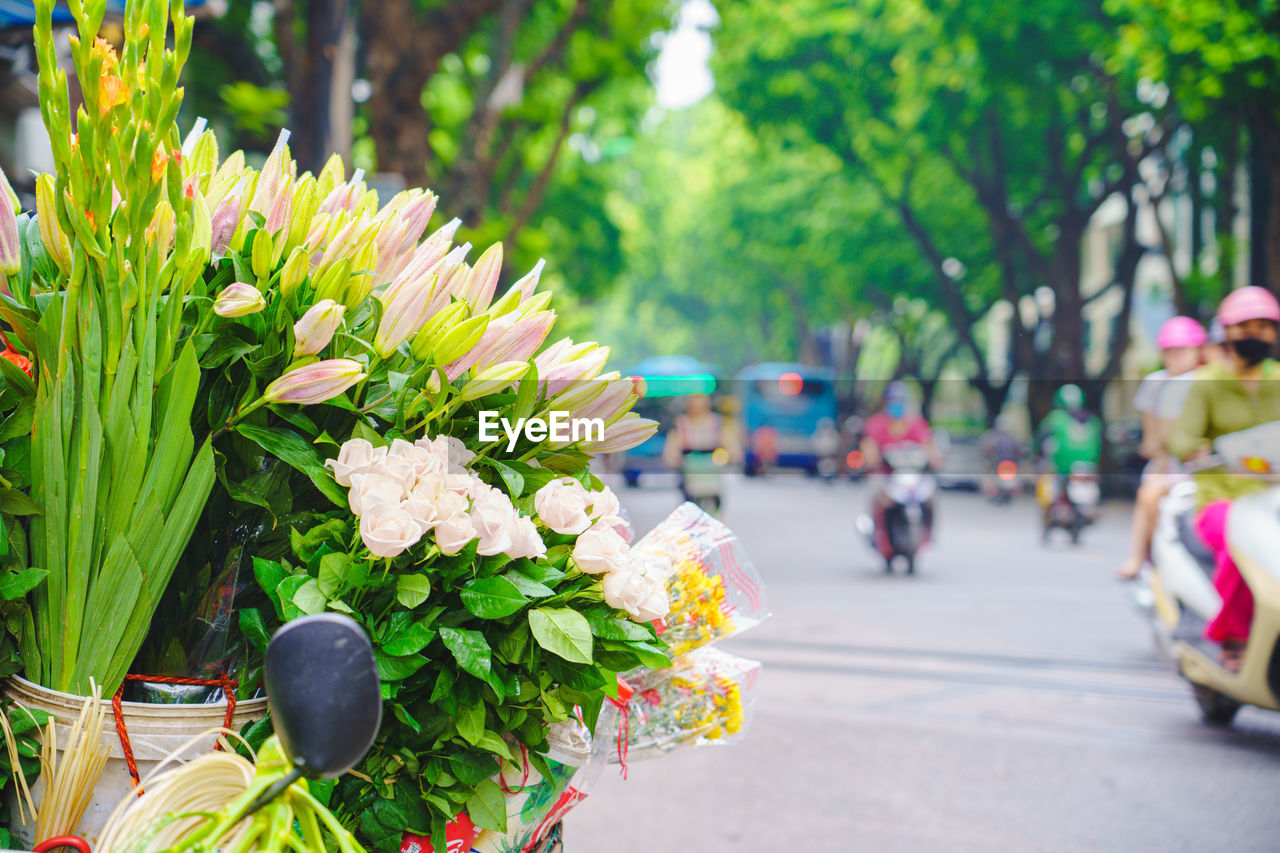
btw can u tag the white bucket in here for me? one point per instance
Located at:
(155, 732)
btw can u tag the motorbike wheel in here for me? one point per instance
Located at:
(911, 564)
(1075, 532)
(888, 565)
(1215, 708)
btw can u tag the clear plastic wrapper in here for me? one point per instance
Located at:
(536, 803)
(714, 587)
(706, 697)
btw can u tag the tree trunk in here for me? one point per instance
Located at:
(402, 52)
(1264, 128)
(321, 103)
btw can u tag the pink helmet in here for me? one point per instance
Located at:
(1181, 332)
(1248, 303)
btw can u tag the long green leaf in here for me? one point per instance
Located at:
(293, 450)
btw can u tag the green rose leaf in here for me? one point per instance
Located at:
(285, 592)
(513, 478)
(651, 657)
(398, 668)
(492, 598)
(17, 584)
(607, 628)
(471, 722)
(529, 586)
(308, 597)
(487, 807)
(412, 590)
(412, 639)
(338, 570)
(562, 632)
(253, 628)
(469, 649)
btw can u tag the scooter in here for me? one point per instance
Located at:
(908, 518)
(1069, 503)
(1177, 592)
(702, 478)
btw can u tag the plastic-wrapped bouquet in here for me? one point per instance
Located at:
(714, 589)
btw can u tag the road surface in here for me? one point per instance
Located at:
(1006, 698)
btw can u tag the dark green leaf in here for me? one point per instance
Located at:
(294, 450)
(492, 598)
(487, 807)
(469, 649)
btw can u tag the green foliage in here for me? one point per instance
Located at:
(477, 655)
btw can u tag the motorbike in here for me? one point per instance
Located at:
(908, 516)
(1069, 503)
(1177, 594)
(702, 478)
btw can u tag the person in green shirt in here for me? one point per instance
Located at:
(1240, 393)
(1070, 434)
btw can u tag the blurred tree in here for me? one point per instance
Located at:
(1220, 59)
(742, 246)
(1012, 99)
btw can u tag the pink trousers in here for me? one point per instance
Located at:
(1233, 621)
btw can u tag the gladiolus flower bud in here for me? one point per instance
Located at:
(315, 383)
(315, 329)
(238, 300)
(631, 431)
(295, 271)
(51, 234)
(162, 226)
(10, 251)
(494, 379)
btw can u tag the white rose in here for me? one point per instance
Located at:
(604, 504)
(562, 506)
(495, 521)
(356, 456)
(422, 499)
(637, 591)
(458, 454)
(454, 532)
(526, 542)
(600, 550)
(388, 530)
(369, 490)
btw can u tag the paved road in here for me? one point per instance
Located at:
(1004, 699)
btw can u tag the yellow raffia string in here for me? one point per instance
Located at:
(69, 783)
(177, 800)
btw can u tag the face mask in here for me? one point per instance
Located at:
(1252, 350)
(896, 410)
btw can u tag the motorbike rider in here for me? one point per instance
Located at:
(1159, 400)
(1001, 448)
(699, 429)
(1069, 435)
(894, 424)
(1241, 393)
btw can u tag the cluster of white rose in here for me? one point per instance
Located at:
(629, 583)
(402, 492)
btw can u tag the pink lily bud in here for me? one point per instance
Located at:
(436, 247)
(350, 239)
(344, 197)
(273, 196)
(483, 279)
(517, 341)
(404, 313)
(388, 240)
(614, 401)
(579, 369)
(529, 283)
(551, 355)
(10, 250)
(225, 219)
(315, 383)
(238, 300)
(315, 329)
(631, 431)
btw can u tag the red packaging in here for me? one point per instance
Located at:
(459, 836)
